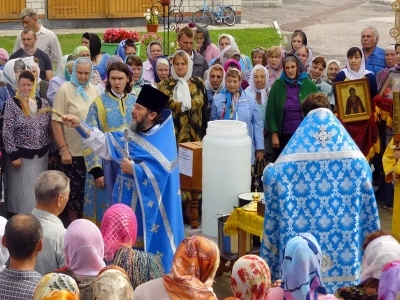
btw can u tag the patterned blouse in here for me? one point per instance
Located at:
(26, 136)
(190, 126)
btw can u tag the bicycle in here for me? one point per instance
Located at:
(206, 15)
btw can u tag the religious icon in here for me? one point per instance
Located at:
(353, 100)
(392, 83)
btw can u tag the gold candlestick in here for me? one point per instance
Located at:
(396, 119)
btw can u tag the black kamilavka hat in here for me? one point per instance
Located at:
(152, 98)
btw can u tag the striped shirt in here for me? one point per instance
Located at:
(18, 285)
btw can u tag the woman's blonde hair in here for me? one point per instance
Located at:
(274, 51)
(180, 54)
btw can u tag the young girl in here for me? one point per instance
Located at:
(299, 39)
(305, 55)
(204, 45)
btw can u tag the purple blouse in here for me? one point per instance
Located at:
(292, 115)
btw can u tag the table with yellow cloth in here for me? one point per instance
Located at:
(243, 222)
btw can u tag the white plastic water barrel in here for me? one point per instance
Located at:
(226, 170)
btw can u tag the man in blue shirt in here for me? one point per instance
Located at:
(374, 56)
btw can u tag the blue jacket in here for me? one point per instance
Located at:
(248, 112)
(376, 61)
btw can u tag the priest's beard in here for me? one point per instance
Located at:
(136, 126)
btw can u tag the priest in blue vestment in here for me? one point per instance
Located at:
(148, 175)
(321, 184)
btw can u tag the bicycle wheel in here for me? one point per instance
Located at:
(202, 18)
(229, 16)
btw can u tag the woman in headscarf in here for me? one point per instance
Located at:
(316, 72)
(275, 57)
(204, 46)
(258, 57)
(137, 68)
(188, 103)
(234, 103)
(154, 50)
(284, 102)
(125, 48)
(56, 286)
(28, 139)
(74, 97)
(4, 255)
(84, 253)
(379, 249)
(215, 82)
(119, 230)
(162, 70)
(109, 112)
(112, 283)
(299, 39)
(364, 133)
(331, 71)
(301, 269)
(83, 51)
(306, 57)
(251, 280)
(231, 59)
(389, 283)
(63, 74)
(41, 85)
(11, 71)
(192, 274)
(99, 59)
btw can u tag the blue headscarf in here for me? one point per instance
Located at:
(300, 74)
(156, 78)
(301, 268)
(80, 88)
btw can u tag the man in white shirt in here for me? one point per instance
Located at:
(51, 192)
(47, 41)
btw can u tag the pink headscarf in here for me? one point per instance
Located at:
(4, 54)
(119, 228)
(232, 61)
(84, 248)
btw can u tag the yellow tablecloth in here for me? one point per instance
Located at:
(245, 220)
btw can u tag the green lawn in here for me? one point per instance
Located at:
(246, 39)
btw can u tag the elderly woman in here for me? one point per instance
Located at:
(301, 270)
(194, 266)
(27, 139)
(331, 71)
(84, 253)
(119, 230)
(137, 67)
(318, 66)
(251, 280)
(306, 57)
(99, 60)
(56, 286)
(154, 50)
(41, 85)
(111, 111)
(74, 97)
(233, 103)
(379, 249)
(189, 105)
(63, 74)
(275, 57)
(83, 51)
(299, 39)
(11, 71)
(364, 133)
(162, 70)
(112, 283)
(215, 82)
(204, 46)
(284, 102)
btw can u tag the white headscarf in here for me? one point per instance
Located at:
(208, 81)
(8, 76)
(379, 252)
(181, 89)
(232, 40)
(264, 96)
(30, 63)
(4, 255)
(353, 75)
(327, 67)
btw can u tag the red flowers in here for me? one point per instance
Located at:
(117, 35)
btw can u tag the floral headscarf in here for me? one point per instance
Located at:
(80, 88)
(251, 278)
(119, 228)
(181, 89)
(56, 286)
(389, 283)
(301, 268)
(112, 283)
(193, 269)
(84, 248)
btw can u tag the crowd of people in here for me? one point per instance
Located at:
(97, 137)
